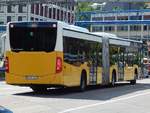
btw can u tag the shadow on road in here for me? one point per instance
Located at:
(92, 93)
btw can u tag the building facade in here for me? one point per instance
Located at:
(112, 6)
(139, 31)
(130, 31)
(37, 12)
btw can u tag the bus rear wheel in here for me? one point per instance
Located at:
(113, 81)
(83, 83)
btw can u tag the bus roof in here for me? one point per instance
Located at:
(114, 37)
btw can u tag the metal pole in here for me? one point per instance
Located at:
(27, 10)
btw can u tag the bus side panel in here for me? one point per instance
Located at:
(39, 65)
(72, 73)
(129, 73)
(99, 75)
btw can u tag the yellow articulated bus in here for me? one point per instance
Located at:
(53, 54)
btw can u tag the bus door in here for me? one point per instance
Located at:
(105, 61)
(93, 70)
(121, 66)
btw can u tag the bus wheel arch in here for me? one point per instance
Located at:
(83, 80)
(114, 77)
(136, 73)
(133, 82)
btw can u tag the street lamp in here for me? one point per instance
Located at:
(96, 5)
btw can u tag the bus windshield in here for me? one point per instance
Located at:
(32, 39)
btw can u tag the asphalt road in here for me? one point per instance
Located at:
(124, 98)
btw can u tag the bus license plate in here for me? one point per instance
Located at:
(31, 77)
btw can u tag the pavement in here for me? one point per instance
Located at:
(124, 98)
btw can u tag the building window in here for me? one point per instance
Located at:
(122, 18)
(50, 12)
(1, 22)
(135, 28)
(109, 28)
(97, 18)
(1, 9)
(97, 28)
(11, 8)
(46, 11)
(36, 19)
(19, 18)
(135, 17)
(146, 17)
(72, 8)
(20, 9)
(54, 13)
(62, 15)
(145, 27)
(122, 28)
(37, 9)
(8, 18)
(41, 10)
(32, 18)
(109, 18)
(65, 16)
(58, 14)
(72, 19)
(32, 8)
(68, 17)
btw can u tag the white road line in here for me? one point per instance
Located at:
(102, 103)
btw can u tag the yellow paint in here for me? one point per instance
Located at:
(39, 64)
(99, 75)
(43, 66)
(130, 72)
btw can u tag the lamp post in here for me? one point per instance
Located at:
(97, 5)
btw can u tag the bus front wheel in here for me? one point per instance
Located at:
(133, 82)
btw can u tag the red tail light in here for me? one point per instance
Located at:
(58, 64)
(7, 64)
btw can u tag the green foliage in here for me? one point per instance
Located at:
(83, 7)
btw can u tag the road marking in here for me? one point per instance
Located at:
(102, 103)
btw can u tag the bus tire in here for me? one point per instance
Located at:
(133, 82)
(113, 80)
(83, 81)
(38, 88)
